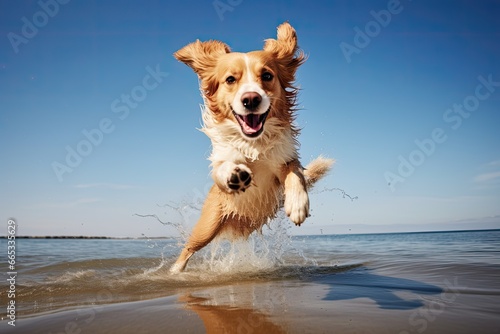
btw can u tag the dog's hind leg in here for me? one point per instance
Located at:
(207, 227)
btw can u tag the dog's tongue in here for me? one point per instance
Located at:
(251, 123)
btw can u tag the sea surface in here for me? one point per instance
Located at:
(425, 282)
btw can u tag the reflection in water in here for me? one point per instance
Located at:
(252, 308)
(237, 309)
(245, 306)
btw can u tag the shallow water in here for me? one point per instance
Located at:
(458, 271)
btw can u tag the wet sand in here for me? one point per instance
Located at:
(355, 301)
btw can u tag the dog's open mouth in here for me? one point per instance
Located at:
(252, 125)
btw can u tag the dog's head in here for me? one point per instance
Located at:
(248, 88)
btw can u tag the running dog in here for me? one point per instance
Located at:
(249, 109)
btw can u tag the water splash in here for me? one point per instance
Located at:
(342, 191)
(260, 252)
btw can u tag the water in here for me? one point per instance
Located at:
(61, 274)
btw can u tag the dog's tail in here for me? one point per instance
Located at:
(316, 169)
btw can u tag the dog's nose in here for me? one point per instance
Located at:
(251, 100)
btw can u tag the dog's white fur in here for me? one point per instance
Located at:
(254, 160)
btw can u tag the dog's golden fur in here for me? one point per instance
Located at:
(250, 100)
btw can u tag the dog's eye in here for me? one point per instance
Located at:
(230, 80)
(266, 76)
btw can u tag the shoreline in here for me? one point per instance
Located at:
(378, 284)
(352, 301)
(82, 237)
(298, 235)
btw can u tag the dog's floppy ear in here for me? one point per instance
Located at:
(288, 58)
(285, 47)
(201, 56)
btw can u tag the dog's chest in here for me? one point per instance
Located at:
(265, 175)
(262, 199)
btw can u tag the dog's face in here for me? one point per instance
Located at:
(247, 88)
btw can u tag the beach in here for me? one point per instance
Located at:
(444, 282)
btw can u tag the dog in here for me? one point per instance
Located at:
(249, 109)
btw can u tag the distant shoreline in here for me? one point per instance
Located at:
(300, 235)
(82, 237)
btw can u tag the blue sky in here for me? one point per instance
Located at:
(381, 77)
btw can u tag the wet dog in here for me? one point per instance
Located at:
(249, 106)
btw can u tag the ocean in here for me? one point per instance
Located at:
(436, 282)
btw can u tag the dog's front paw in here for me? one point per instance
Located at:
(297, 206)
(240, 178)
